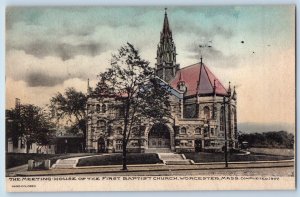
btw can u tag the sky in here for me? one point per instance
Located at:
(50, 49)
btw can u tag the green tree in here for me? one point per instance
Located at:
(29, 123)
(70, 107)
(138, 93)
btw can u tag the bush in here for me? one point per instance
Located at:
(17, 159)
(116, 159)
(271, 139)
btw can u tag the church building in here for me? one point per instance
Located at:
(203, 109)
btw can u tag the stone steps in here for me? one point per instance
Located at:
(182, 162)
(65, 163)
(174, 159)
(158, 150)
(171, 157)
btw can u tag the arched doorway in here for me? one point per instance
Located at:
(198, 145)
(101, 145)
(159, 137)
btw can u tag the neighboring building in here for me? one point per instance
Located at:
(69, 143)
(20, 147)
(196, 104)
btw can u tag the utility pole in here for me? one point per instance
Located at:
(225, 131)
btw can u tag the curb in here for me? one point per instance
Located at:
(245, 162)
(159, 170)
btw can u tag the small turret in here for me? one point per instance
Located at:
(181, 84)
(234, 95)
(89, 89)
(229, 89)
(215, 87)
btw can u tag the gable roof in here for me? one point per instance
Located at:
(198, 80)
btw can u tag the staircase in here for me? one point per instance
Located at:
(65, 163)
(158, 150)
(174, 159)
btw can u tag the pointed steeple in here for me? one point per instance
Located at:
(166, 28)
(166, 66)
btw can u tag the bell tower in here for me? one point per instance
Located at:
(166, 66)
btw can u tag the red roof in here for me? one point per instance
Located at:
(191, 74)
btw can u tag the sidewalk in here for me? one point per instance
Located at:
(156, 167)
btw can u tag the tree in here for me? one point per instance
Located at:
(139, 95)
(70, 107)
(29, 123)
(270, 139)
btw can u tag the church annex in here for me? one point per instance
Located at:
(202, 109)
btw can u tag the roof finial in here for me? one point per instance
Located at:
(201, 59)
(234, 96)
(166, 11)
(88, 86)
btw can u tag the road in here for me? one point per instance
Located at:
(274, 171)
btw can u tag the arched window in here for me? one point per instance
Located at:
(134, 131)
(222, 119)
(197, 130)
(119, 131)
(98, 108)
(183, 130)
(119, 145)
(206, 132)
(101, 124)
(206, 112)
(103, 108)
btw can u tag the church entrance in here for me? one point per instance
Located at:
(101, 145)
(198, 145)
(159, 137)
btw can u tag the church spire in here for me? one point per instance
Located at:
(166, 66)
(166, 27)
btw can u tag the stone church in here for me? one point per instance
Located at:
(202, 109)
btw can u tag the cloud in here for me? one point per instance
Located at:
(67, 32)
(36, 95)
(207, 33)
(215, 57)
(51, 71)
(65, 51)
(35, 79)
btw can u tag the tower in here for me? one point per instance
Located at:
(166, 66)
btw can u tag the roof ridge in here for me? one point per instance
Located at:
(219, 82)
(190, 66)
(205, 67)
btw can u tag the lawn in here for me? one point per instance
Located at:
(273, 151)
(116, 159)
(17, 159)
(233, 157)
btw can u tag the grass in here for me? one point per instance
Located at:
(233, 157)
(17, 159)
(273, 151)
(116, 159)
